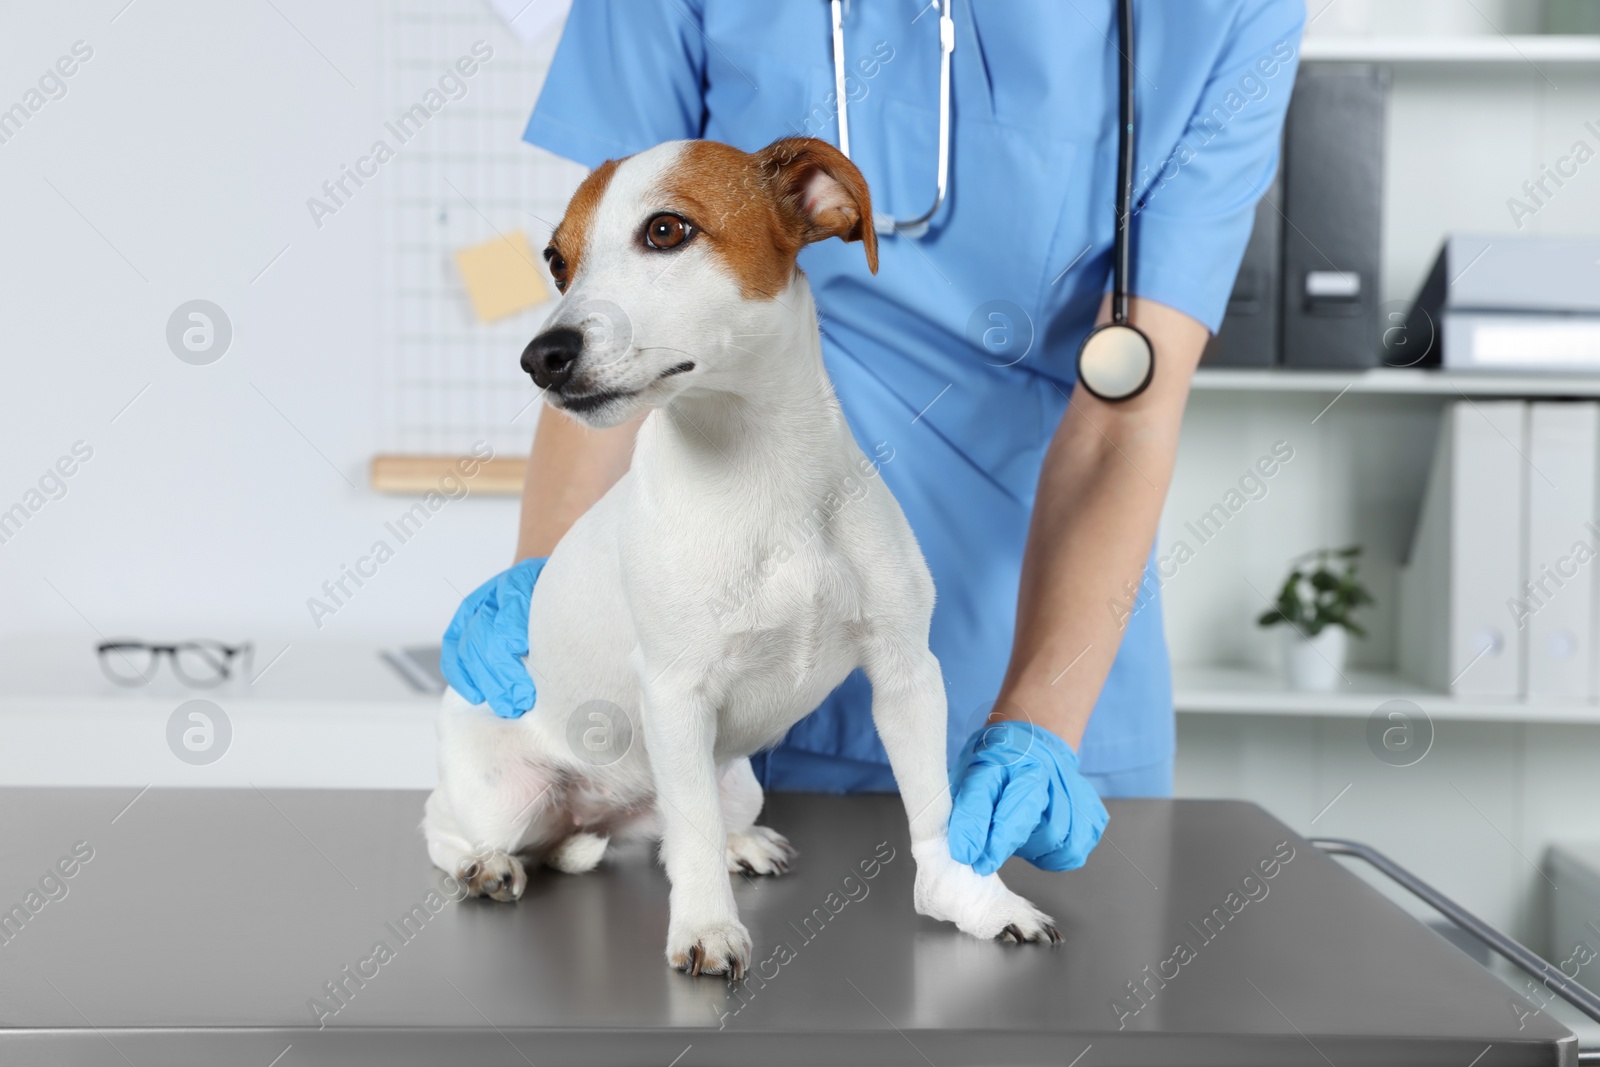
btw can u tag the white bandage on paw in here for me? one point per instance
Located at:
(980, 905)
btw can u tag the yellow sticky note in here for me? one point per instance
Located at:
(501, 277)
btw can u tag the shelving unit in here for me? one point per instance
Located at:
(1362, 439)
(1470, 120)
(1246, 691)
(1396, 381)
(1488, 48)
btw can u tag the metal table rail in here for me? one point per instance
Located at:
(1511, 949)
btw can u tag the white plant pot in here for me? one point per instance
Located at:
(1315, 665)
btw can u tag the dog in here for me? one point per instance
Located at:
(681, 297)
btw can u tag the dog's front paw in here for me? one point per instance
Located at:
(759, 850)
(712, 948)
(980, 905)
(497, 875)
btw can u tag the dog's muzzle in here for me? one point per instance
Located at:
(551, 357)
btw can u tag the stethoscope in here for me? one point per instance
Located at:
(1115, 361)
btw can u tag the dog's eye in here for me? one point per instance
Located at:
(666, 231)
(558, 267)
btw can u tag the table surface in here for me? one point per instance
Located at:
(205, 923)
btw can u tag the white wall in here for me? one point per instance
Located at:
(225, 495)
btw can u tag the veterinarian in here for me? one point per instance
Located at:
(1035, 503)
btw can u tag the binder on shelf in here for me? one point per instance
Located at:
(1457, 632)
(1512, 303)
(1249, 333)
(1333, 200)
(1554, 608)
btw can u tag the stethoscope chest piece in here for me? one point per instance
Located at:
(1116, 362)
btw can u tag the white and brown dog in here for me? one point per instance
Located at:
(681, 295)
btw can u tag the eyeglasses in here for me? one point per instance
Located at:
(201, 663)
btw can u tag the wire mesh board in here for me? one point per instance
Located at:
(457, 89)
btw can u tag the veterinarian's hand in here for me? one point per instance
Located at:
(1018, 792)
(484, 646)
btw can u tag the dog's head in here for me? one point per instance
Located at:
(670, 264)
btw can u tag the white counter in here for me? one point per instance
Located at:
(314, 715)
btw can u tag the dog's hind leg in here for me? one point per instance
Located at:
(490, 802)
(484, 869)
(909, 710)
(752, 849)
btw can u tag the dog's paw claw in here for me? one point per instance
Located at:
(721, 948)
(1015, 935)
(759, 850)
(497, 875)
(1035, 928)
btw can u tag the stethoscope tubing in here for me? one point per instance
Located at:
(883, 223)
(1121, 251)
(1121, 254)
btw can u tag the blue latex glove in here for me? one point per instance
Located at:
(1018, 792)
(484, 645)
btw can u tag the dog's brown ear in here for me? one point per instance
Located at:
(819, 192)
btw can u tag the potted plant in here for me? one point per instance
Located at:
(1316, 601)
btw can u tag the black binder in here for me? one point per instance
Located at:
(1333, 203)
(1248, 336)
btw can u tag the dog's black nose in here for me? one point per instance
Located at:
(550, 356)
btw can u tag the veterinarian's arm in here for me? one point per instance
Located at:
(1101, 488)
(571, 467)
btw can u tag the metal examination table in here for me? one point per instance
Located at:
(206, 921)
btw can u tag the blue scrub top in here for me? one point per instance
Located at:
(956, 361)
